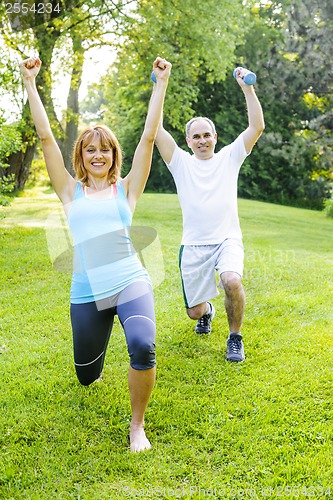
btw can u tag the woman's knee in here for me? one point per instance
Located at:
(142, 356)
(87, 377)
(89, 371)
(140, 334)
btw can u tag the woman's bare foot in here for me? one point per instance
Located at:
(138, 439)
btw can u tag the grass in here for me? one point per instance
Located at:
(260, 429)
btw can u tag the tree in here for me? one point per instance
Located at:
(80, 25)
(286, 43)
(200, 41)
(297, 95)
(292, 162)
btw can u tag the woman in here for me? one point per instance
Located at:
(108, 278)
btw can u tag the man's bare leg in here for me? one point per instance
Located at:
(234, 300)
(235, 305)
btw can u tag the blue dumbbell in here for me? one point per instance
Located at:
(153, 77)
(250, 78)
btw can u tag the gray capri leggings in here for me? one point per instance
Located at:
(92, 326)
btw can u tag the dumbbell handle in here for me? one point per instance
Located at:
(249, 78)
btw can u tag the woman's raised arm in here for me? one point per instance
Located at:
(62, 182)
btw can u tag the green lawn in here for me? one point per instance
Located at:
(260, 429)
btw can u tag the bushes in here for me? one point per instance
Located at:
(328, 207)
(10, 142)
(7, 186)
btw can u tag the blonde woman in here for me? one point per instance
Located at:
(108, 278)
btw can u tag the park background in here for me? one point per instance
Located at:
(260, 429)
(287, 44)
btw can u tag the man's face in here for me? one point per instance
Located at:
(201, 139)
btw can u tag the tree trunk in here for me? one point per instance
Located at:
(72, 113)
(20, 162)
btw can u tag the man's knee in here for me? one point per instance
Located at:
(196, 312)
(232, 282)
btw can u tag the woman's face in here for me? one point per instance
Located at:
(97, 158)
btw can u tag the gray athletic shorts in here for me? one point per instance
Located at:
(198, 263)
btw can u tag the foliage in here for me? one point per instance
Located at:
(297, 97)
(38, 174)
(282, 43)
(292, 162)
(288, 44)
(10, 85)
(76, 26)
(261, 429)
(197, 45)
(328, 207)
(10, 141)
(7, 186)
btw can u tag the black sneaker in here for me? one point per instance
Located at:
(235, 348)
(204, 324)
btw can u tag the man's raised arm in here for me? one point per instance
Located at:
(255, 114)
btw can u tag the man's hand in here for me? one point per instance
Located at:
(239, 74)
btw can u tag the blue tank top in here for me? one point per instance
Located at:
(105, 261)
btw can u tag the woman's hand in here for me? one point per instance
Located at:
(161, 68)
(30, 67)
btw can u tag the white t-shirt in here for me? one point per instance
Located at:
(207, 191)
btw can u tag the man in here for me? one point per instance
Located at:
(212, 240)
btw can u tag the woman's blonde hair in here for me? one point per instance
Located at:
(107, 138)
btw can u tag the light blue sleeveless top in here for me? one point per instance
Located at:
(105, 261)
